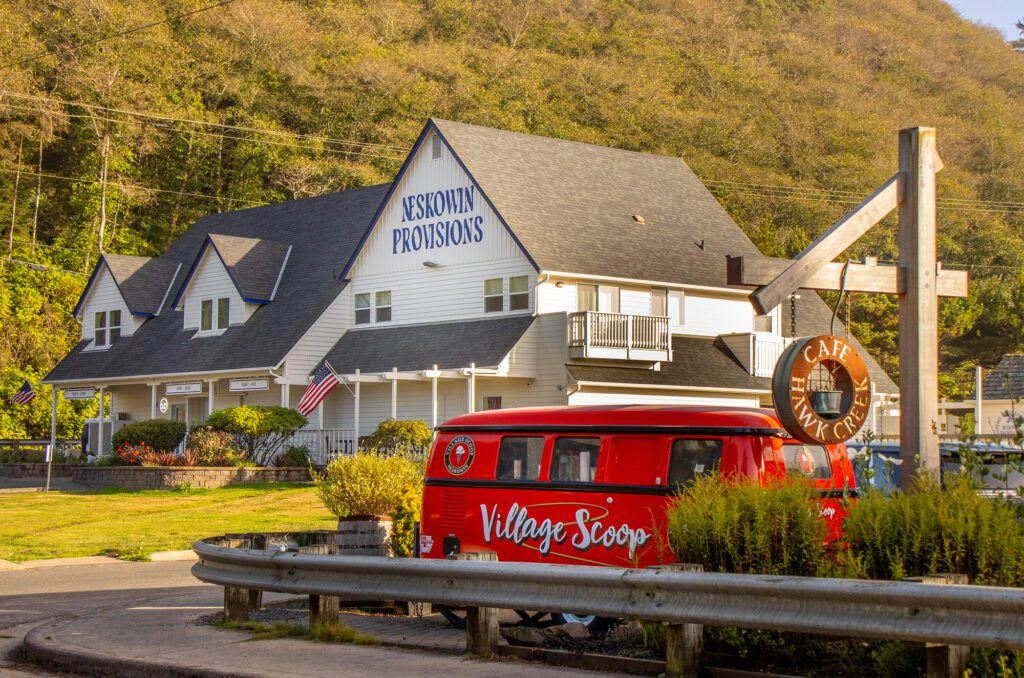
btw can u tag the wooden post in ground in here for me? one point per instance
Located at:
(236, 604)
(945, 661)
(481, 622)
(323, 610)
(683, 642)
(918, 306)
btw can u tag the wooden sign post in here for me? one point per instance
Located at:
(918, 280)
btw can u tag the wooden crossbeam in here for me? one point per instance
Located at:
(867, 276)
(828, 246)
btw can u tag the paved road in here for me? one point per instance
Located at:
(30, 596)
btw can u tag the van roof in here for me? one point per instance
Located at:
(619, 416)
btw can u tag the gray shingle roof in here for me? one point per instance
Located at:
(323, 232)
(571, 205)
(253, 264)
(143, 282)
(450, 345)
(1005, 381)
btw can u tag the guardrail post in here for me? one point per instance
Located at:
(481, 622)
(683, 642)
(236, 604)
(323, 610)
(945, 661)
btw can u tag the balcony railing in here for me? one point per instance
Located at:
(757, 351)
(324, 444)
(619, 336)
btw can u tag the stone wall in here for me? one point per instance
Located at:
(157, 477)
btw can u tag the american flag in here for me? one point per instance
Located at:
(324, 380)
(24, 395)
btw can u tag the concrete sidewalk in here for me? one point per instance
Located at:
(162, 638)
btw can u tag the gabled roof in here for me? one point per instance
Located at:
(143, 282)
(255, 266)
(1005, 381)
(570, 206)
(450, 345)
(322, 231)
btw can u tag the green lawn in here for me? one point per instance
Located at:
(132, 524)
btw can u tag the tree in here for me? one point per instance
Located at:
(259, 431)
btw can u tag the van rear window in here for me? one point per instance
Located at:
(810, 461)
(575, 459)
(692, 458)
(519, 457)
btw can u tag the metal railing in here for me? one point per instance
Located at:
(17, 445)
(324, 444)
(979, 616)
(766, 352)
(618, 330)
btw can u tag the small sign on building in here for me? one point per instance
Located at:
(79, 393)
(242, 385)
(185, 388)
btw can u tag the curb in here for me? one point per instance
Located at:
(67, 562)
(163, 556)
(40, 649)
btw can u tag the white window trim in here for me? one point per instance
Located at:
(506, 295)
(106, 329)
(214, 317)
(372, 308)
(501, 295)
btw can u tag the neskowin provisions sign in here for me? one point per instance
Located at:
(438, 219)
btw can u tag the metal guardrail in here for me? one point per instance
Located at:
(978, 616)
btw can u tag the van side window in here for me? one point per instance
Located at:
(811, 461)
(575, 459)
(692, 458)
(519, 457)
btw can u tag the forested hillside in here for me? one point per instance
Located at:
(787, 109)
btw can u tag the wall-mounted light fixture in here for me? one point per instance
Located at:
(560, 284)
(431, 264)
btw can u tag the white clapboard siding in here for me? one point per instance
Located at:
(319, 338)
(540, 356)
(133, 400)
(706, 315)
(554, 299)
(653, 397)
(635, 301)
(104, 296)
(211, 281)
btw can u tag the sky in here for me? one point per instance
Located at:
(1003, 14)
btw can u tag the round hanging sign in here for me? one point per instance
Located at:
(163, 405)
(821, 389)
(459, 455)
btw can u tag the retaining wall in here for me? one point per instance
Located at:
(158, 477)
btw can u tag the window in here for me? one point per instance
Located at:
(223, 313)
(100, 334)
(659, 301)
(206, 315)
(691, 458)
(518, 293)
(383, 306)
(575, 459)
(493, 295)
(492, 403)
(114, 326)
(762, 323)
(586, 297)
(808, 460)
(519, 457)
(436, 147)
(363, 308)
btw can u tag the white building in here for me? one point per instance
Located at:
(497, 270)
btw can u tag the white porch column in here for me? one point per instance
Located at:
(394, 393)
(209, 397)
(152, 401)
(433, 400)
(99, 434)
(355, 415)
(53, 435)
(284, 393)
(471, 389)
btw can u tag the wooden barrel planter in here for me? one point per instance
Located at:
(364, 536)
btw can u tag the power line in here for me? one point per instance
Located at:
(40, 267)
(95, 41)
(188, 121)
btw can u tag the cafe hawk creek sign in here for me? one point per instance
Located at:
(821, 389)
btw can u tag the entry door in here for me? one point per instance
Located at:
(177, 412)
(197, 412)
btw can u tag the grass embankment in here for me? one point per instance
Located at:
(133, 524)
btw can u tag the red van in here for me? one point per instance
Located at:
(590, 485)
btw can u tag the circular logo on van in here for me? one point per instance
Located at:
(459, 455)
(821, 390)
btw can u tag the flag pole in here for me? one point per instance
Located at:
(53, 435)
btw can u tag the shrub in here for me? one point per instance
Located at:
(405, 517)
(366, 484)
(293, 455)
(206, 444)
(739, 526)
(189, 458)
(154, 458)
(258, 431)
(936, 529)
(400, 436)
(130, 455)
(162, 435)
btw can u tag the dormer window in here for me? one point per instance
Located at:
(214, 314)
(107, 328)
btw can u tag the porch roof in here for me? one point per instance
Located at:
(419, 347)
